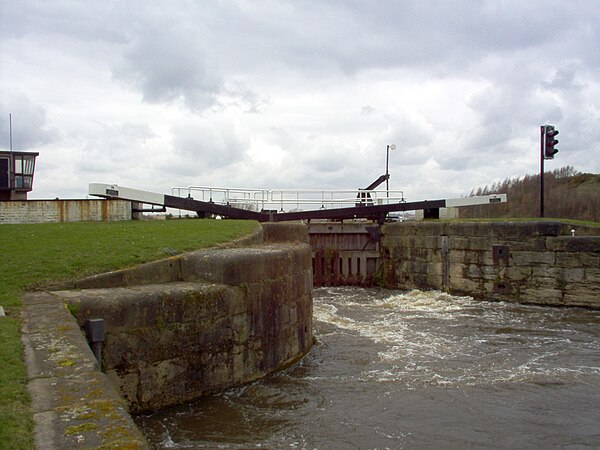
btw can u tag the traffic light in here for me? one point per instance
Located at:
(549, 141)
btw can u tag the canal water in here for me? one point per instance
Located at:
(409, 370)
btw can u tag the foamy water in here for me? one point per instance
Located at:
(413, 370)
(435, 338)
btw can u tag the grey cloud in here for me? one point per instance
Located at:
(29, 124)
(356, 35)
(89, 20)
(565, 77)
(326, 158)
(508, 109)
(109, 148)
(183, 51)
(204, 147)
(162, 50)
(347, 35)
(185, 55)
(409, 130)
(168, 61)
(367, 110)
(237, 95)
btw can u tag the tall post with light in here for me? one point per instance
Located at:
(387, 166)
(548, 143)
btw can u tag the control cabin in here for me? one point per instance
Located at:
(16, 174)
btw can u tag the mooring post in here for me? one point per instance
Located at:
(94, 330)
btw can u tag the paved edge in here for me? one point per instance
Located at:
(73, 403)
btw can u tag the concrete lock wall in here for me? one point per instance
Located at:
(43, 211)
(219, 318)
(527, 262)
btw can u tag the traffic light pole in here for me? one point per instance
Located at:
(548, 149)
(542, 136)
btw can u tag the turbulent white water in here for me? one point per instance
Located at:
(435, 338)
(413, 370)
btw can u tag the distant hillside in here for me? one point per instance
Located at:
(568, 195)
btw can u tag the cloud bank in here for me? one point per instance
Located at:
(303, 94)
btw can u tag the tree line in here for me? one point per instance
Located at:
(568, 194)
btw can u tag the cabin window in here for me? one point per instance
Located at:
(24, 165)
(4, 179)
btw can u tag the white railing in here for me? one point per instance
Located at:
(284, 200)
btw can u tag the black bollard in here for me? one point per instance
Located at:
(94, 329)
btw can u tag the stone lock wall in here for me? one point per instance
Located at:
(219, 318)
(528, 262)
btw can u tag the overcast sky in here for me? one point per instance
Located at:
(298, 94)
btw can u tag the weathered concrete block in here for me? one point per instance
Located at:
(576, 275)
(470, 229)
(590, 244)
(250, 314)
(530, 259)
(427, 242)
(469, 257)
(461, 285)
(285, 232)
(238, 364)
(162, 271)
(492, 272)
(250, 265)
(532, 244)
(518, 273)
(241, 328)
(542, 296)
(434, 280)
(592, 275)
(582, 296)
(473, 271)
(457, 270)
(577, 259)
(435, 268)
(473, 243)
(149, 305)
(544, 272)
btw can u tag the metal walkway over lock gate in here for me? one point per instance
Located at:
(286, 205)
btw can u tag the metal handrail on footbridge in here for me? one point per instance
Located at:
(366, 204)
(283, 200)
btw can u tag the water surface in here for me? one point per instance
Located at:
(413, 370)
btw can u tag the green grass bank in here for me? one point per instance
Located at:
(35, 256)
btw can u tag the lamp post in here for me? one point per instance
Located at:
(387, 165)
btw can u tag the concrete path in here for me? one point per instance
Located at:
(73, 403)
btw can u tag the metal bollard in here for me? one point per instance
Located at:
(94, 329)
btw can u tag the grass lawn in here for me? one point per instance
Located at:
(34, 255)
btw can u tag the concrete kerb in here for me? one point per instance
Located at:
(73, 403)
